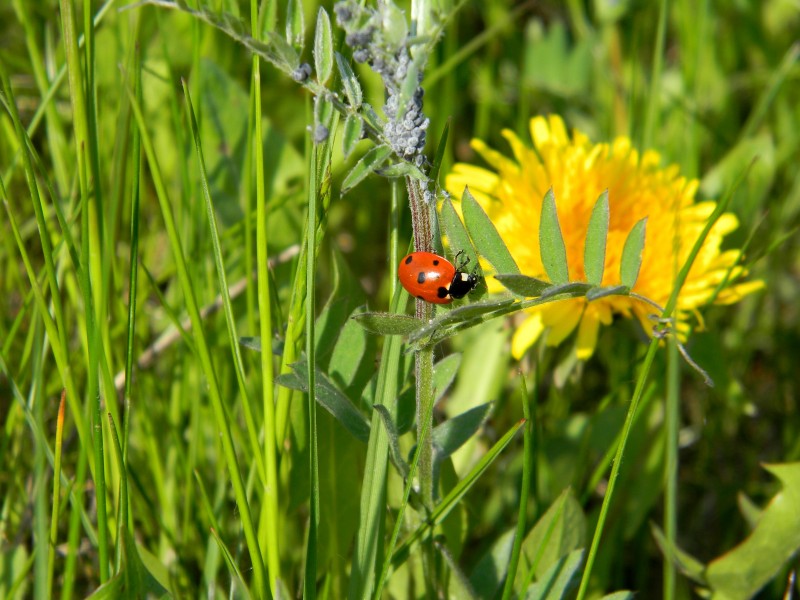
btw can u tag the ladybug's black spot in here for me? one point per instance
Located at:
(435, 263)
(409, 259)
(442, 292)
(421, 277)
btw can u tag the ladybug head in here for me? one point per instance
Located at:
(463, 283)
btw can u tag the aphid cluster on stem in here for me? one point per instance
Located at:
(379, 37)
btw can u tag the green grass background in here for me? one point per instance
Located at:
(719, 93)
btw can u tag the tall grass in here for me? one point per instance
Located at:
(154, 169)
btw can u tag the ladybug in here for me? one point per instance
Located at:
(433, 278)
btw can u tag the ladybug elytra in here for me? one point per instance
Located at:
(433, 278)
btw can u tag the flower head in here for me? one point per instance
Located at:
(579, 171)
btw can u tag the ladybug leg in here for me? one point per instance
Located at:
(464, 262)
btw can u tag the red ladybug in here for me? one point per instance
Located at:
(433, 278)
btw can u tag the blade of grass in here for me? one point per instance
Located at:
(56, 493)
(54, 325)
(233, 336)
(373, 489)
(527, 474)
(457, 493)
(642, 380)
(271, 510)
(654, 93)
(318, 187)
(203, 352)
(672, 410)
(81, 88)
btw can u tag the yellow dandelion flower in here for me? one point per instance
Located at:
(579, 171)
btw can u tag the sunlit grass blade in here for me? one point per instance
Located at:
(373, 491)
(456, 494)
(203, 352)
(56, 492)
(54, 325)
(233, 567)
(528, 468)
(641, 380)
(230, 321)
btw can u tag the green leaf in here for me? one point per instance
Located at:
(251, 342)
(522, 285)
(394, 439)
(330, 397)
(352, 88)
(323, 112)
(295, 25)
(559, 580)
(352, 134)
(352, 359)
(282, 53)
(632, 255)
(133, 580)
(444, 372)
(610, 290)
(455, 495)
(440, 150)
(488, 574)
(323, 47)
(594, 252)
(573, 288)
(744, 570)
(485, 237)
(402, 169)
(457, 234)
(683, 561)
(453, 433)
(388, 323)
(551, 243)
(368, 163)
(620, 595)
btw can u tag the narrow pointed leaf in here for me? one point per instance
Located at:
(485, 237)
(352, 133)
(457, 493)
(280, 52)
(368, 163)
(632, 255)
(330, 397)
(522, 285)
(394, 442)
(594, 252)
(440, 150)
(551, 242)
(387, 323)
(456, 233)
(402, 169)
(323, 47)
(352, 88)
(295, 24)
(559, 579)
(453, 433)
(602, 292)
(573, 288)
